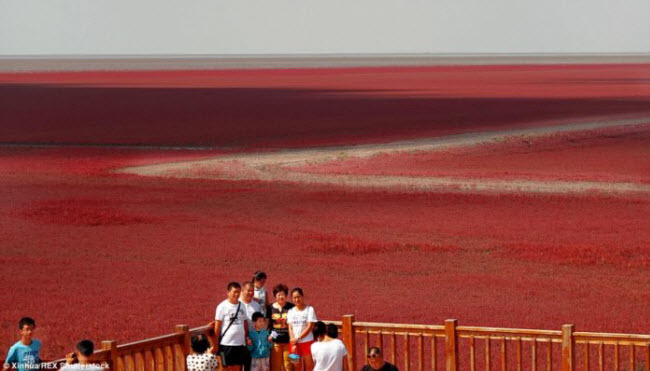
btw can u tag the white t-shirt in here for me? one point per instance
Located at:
(251, 308)
(299, 320)
(202, 362)
(236, 335)
(328, 355)
(260, 296)
(79, 366)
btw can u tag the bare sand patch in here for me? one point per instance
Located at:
(276, 166)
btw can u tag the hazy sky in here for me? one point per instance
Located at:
(322, 26)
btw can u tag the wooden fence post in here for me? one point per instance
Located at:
(451, 345)
(568, 348)
(187, 341)
(349, 340)
(110, 345)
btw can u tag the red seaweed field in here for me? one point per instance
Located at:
(92, 252)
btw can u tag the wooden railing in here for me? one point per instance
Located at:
(426, 347)
(453, 347)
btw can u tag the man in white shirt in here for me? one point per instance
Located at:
(231, 325)
(250, 305)
(328, 352)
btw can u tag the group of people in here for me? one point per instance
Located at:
(249, 332)
(253, 333)
(25, 355)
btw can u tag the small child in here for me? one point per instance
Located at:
(25, 354)
(260, 296)
(261, 348)
(201, 359)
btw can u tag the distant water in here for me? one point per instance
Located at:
(222, 62)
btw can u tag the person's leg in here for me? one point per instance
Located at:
(246, 358)
(230, 358)
(308, 361)
(305, 356)
(277, 358)
(286, 350)
(237, 358)
(256, 365)
(260, 364)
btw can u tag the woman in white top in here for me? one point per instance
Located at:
(301, 320)
(328, 352)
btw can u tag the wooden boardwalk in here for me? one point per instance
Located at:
(426, 347)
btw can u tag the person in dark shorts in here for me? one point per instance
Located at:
(232, 327)
(277, 315)
(376, 362)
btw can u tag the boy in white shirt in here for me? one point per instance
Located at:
(329, 353)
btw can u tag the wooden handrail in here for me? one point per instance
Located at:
(514, 331)
(400, 326)
(168, 352)
(599, 335)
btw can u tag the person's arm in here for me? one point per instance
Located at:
(345, 363)
(211, 333)
(247, 332)
(311, 320)
(39, 360)
(292, 337)
(71, 358)
(11, 358)
(307, 331)
(217, 332)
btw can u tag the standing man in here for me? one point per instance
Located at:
(231, 325)
(250, 305)
(376, 362)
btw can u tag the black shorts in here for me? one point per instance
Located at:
(235, 355)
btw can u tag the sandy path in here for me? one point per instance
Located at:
(277, 165)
